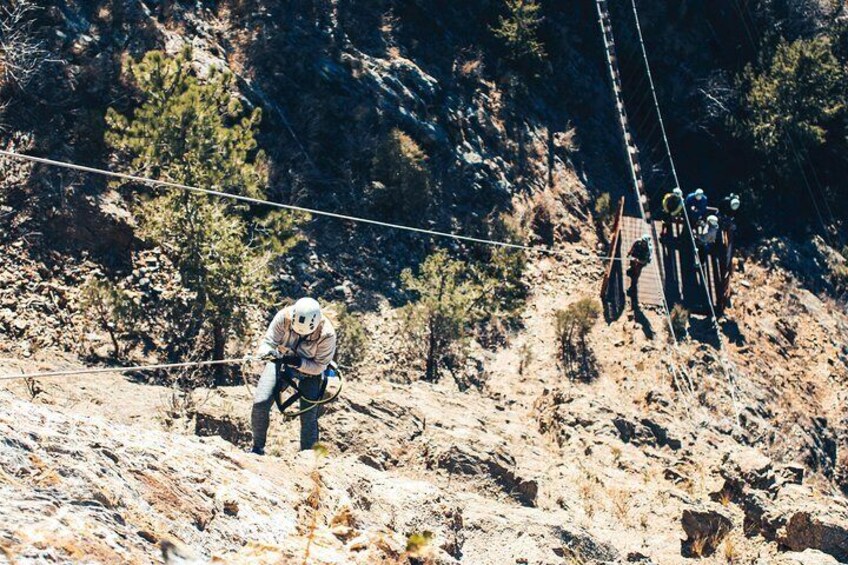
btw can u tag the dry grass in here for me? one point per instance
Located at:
(313, 501)
(33, 388)
(573, 556)
(699, 546)
(616, 454)
(730, 551)
(725, 497)
(471, 68)
(525, 357)
(587, 489)
(704, 546)
(620, 500)
(8, 553)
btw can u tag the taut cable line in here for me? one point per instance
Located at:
(126, 369)
(714, 318)
(303, 209)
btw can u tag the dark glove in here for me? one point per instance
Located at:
(291, 360)
(270, 357)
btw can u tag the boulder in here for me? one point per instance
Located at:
(499, 465)
(747, 466)
(705, 526)
(645, 432)
(792, 473)
(811, 522)
(798, 520)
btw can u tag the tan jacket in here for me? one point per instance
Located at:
(316, 349)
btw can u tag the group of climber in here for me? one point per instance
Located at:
(704, 221)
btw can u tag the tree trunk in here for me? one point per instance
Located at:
(219, 346)
(115, 344)
(430, 372)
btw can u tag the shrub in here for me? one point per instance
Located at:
(603, 209)
(679, 321)
(839, 278)
(402, 187)
(519, 31)
(352, 339)
(573, 325)
(417, 543)
(110, 309)
(544, 216)
(22, 56)
(449, 301)
(196, 133)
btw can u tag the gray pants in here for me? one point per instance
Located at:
(263, 399)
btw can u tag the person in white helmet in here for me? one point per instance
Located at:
(640, 255)
(707, 232)
(304, 341)
(696, 205)
(729, 207)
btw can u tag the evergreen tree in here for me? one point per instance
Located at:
(519, 31)
(447, 306)
(797, 99)
(195, 132)
(404, 187)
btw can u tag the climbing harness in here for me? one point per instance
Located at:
(285, 380)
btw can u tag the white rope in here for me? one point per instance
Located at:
(129, 369)
(290, 207)
(700, 265)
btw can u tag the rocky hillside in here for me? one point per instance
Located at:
(532, 468)
(653, 453)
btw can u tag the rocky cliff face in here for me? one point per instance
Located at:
(529, 469)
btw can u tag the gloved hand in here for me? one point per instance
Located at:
(270, 356)
(291, 360)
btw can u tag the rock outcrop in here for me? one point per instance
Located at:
(778, 507)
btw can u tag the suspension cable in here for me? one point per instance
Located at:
(126, 369)
(258, 201)
(714, 318)
(608, 44)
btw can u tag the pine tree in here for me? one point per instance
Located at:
(195, 132)
(799, 96)
(519, 31)
(404, 187)
(451, 297)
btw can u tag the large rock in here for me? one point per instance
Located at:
(645, 432)
(747, 467)
(798, 520)
(705, 527)
(498, 465)
(810, 522)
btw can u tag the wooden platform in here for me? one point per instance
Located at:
(676, 276)
(650, 287)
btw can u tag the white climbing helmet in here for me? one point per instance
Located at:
(734, 203)
(699, 193)
(306, 315)
(678, 192)
(712, 220)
